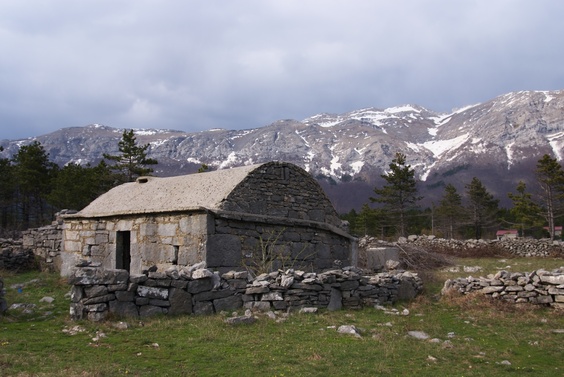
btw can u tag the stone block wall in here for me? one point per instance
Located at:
(98, 293)
(537, 287)
(295, 245)
(46, 242)
(160, 240)
(225, 241)
(280, 189)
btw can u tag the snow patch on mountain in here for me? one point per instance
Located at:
(414, 147)
(439, 147)
(193, 160)
(357, 166)
(556, 142)
(230, 161)
(509, 154)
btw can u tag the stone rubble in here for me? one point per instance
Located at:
(537, 287)
(96, 292)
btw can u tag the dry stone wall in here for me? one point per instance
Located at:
(523, 247)
(97, 293)
(13, 255)
(537, 287)
(46, 242)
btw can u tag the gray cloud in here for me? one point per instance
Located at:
(195, 65)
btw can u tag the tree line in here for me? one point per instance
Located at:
(33, 188)
(394, 209)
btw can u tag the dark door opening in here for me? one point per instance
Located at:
(123, 250)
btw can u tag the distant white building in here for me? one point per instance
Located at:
(505, 234)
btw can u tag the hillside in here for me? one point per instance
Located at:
(498, 141)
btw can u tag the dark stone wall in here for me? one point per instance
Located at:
(14, 256)
(282, 190)
(264, 246)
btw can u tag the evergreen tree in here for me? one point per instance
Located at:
(133, 160)
(525, 211)
(551, 181)
(7, 193)
(75, 186)
(482, 206)
(32, 173)
(399, 195)
(203, 169)
(450, 210)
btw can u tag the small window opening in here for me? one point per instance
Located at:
(142, 180)
(285, 173)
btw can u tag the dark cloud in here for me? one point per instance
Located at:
(196, 65)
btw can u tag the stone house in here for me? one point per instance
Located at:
(272, 215)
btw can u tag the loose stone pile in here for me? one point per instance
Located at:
(537, 287)
(97, 292)
(13, 256)
(523, 247)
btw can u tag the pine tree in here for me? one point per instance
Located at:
(450, 210)
(75, 186)
(551, 181)
(133, 160)
(483, 207)
(524, 209)
(399, 195)
(32, 173)
(7, 192)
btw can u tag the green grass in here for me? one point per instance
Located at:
(485, 334)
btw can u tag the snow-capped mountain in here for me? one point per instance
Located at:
(498, 141)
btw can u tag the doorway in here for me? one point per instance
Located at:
(123, 250)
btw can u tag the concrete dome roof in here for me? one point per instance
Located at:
(169, 194)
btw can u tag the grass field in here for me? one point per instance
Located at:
(471, 337)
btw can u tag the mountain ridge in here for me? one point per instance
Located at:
(499, 141)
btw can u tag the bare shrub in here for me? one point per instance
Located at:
(417, 258)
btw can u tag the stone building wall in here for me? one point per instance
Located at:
(97, 292)
(537, 287)
(224, 241)
(159, 240)
(280, 190)
(292, 244)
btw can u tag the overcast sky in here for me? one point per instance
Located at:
(194, 65)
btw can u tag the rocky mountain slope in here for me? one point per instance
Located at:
(498, 141)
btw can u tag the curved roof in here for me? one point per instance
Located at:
(170, 194)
